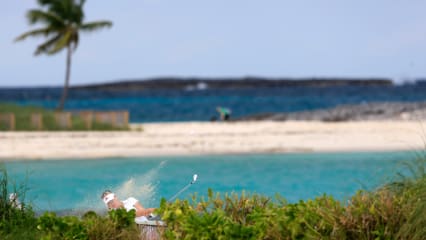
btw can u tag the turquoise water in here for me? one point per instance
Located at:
(78, 184)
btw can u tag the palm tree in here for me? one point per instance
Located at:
(63, 21)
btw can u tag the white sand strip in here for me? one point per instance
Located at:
(194, 138)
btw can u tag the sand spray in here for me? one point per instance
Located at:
(142, 187)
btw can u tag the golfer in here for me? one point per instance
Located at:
(112, 202)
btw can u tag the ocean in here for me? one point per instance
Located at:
(76, 185)
(200, 104)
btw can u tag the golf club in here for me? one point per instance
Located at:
(153, 217)
(194, 178)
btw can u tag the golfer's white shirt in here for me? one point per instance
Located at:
(129, 204)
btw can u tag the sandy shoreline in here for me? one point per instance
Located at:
(198, 138)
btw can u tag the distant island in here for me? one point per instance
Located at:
(231, 83)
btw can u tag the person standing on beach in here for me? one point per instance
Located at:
(112, 202)
(225, 113)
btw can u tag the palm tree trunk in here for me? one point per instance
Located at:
(67, 80)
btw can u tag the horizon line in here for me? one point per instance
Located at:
(242, 78)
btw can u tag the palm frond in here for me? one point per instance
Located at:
(80, 7)
(78, 13)
(68, 10)
(35, 33)
(62, 42)
(43, 48)
(49, 18)
(93, 26)
(82, 2)
(63, 8)
(45, 2)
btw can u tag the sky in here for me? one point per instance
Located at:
(226, 38)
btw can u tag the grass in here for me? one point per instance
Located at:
(15, 223)
(23, 113)
(413, 186)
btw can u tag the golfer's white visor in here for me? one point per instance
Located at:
(109, 197)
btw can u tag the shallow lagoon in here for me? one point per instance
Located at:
(78, 184)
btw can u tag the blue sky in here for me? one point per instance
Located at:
(226, 38)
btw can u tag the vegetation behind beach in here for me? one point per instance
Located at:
(23, 120)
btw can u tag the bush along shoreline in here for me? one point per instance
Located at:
(32, 118)
(396, 210)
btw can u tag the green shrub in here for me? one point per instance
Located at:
(23, 113)
(413, 187)
(119, 225)
(53, 227)
(372, 215)
(16, 222)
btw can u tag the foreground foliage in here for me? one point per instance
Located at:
(118, 225)
(395, 211)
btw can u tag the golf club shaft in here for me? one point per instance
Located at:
(177, 194)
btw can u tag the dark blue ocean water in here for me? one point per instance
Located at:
(78, 184)
(199, 105)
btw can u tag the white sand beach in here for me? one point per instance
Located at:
(197, 138)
